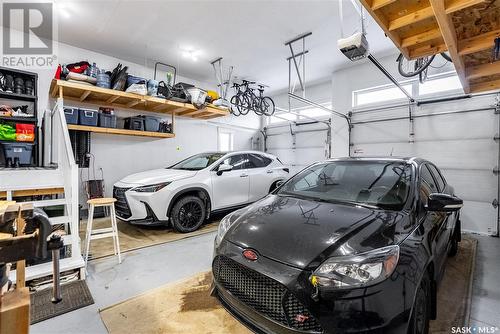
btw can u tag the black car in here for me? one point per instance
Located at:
(354, 245)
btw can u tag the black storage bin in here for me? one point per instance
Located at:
(17, 154)
(134, 123)
(71, 115)
(107, 120)
(88, 117)
(151, 123)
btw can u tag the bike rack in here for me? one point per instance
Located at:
(301, 55)
(223, 85)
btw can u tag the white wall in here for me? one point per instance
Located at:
(119, 156)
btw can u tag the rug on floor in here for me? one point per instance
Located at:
(187, 307)
(134, 237)
(75, 295)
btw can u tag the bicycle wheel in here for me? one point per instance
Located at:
(235, 105)
(267, 106)
(245, 105)
(410, 68)
(445, 56)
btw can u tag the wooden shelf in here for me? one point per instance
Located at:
(464, 28)
(109, 97)
(113, 131)
(18, 119)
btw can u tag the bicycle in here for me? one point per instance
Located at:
(238, 103)
(245, 100)
(410, 68)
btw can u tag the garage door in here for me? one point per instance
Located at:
(298, 145)
(457, 136)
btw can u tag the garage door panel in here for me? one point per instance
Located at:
(476, 154)
(393, 131)
(472, 185)
(478, 217)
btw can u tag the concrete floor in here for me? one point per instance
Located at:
(152, 267)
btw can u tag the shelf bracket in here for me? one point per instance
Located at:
(84, 95)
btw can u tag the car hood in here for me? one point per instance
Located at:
(303, 233)
(157, 176)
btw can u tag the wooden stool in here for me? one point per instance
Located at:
(102, 232)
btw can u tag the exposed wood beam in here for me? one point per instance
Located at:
(384, 24)
(113, 99)
(133, 103)
(377, 4)
(450, 39)
(477, 43)
(456, 5)
(485, 86)
(421, 38)
(416, 16)
(483, 70)
(85, 95)
(427, 51)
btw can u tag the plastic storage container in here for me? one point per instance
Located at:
(107, 120)
(25, 132)
(17, 154)
(88, 117)
(151, 123)
(134, 123)
(71, 115)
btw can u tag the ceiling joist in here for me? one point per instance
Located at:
(483, 70)
(377, 4)
(456, 5)
(421, 28)
(408, 19)
(421, 38)
(477, 43)
(450, 38)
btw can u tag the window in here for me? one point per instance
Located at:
(434, 85)
(258, 161)
(438, 177)
(238, 161)
(282, 117)
(198, 162)
(380, 94)
(439, 86)
(427, 184)
(225, 141)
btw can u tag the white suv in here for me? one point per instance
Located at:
(186, 193)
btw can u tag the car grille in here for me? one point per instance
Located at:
(121, 204)
(263, 294)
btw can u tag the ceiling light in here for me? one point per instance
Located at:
(191, 54)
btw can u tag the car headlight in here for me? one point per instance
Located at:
(224, 225)
(357, 270)
(151, 188)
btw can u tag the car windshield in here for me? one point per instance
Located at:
(381, 184)
(198, 162)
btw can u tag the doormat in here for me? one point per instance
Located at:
(133, 237)
(187, 307)
(75, 295)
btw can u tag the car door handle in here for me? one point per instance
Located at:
(244, 175)
(269, 171)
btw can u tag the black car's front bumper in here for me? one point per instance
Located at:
(250, 290)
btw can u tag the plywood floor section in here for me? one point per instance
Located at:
(135, 237)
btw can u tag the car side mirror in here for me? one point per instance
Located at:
(224, 168)
(444, 203)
